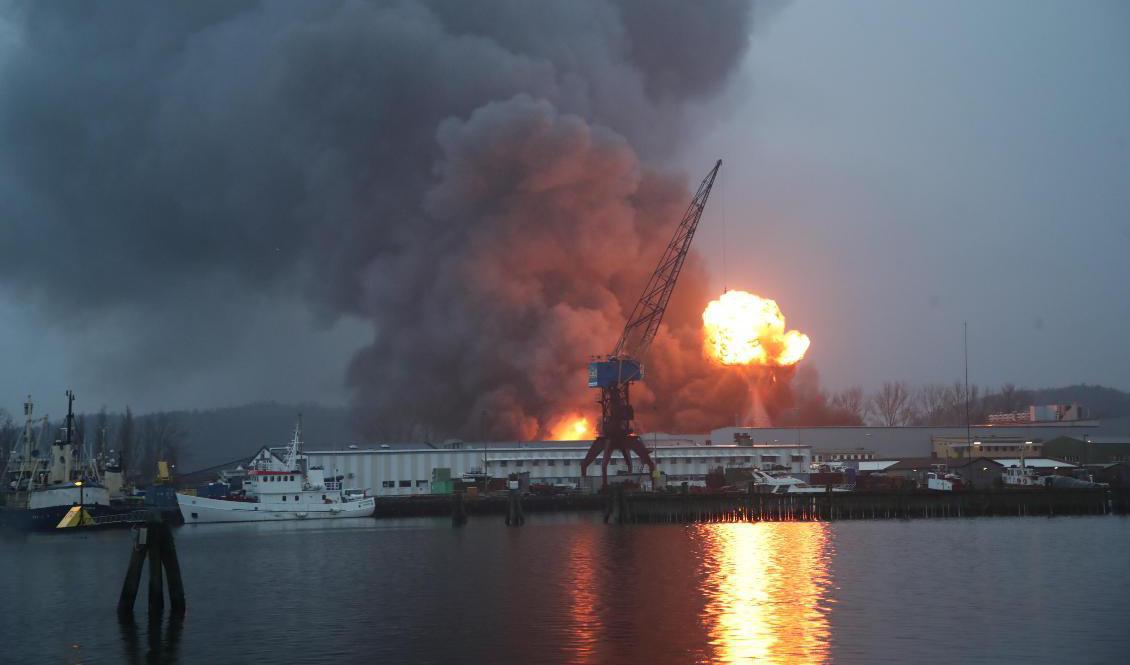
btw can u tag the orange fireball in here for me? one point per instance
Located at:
(571, 428)
(744, 329)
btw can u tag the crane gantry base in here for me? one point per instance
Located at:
(605, 446)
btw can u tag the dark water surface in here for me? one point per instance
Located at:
(568, 589)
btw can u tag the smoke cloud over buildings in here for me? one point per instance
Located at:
(483, 182)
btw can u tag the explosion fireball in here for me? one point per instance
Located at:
(744, 329)
(571, 428)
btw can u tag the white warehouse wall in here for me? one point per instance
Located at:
(400, 472)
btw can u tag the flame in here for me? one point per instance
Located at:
(571, 428)
(744, 329)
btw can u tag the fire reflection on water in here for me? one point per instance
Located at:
(583, 601)
(766, 591)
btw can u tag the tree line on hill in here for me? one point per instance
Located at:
(188, 439)
(137, 443)
(202, 438)
(897, 403)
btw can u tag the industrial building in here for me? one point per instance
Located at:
(1089, 449)
(992, 446)
(908, 441)
(978, 472)
(1043, 413)
(406, 470)
(850, 455)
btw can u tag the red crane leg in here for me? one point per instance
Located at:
(641, 451)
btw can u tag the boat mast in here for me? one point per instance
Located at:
(295, 443)
(71, 446)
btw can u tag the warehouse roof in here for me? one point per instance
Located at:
(1037, 463)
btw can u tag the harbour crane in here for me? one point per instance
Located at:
(615, 374)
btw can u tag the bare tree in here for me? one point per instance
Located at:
(891, 404)
(852, 403)
(127, 443)
(9, 435)
(162, 437)
(939, 404)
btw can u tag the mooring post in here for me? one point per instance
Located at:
(458, 510)
(133, 573)
(172, 568)
(514, 514)
(156, 580)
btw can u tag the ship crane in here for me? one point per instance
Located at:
(615, 374)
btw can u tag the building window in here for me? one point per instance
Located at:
(518, 463)
(388, 484)
(284, 497)
(537, 462)
(296, 498)
(567, 462)
(550, 463)
(421, 483)
(503, 463)
(406, 483)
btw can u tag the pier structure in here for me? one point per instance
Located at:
(618, 506)
(752, 506)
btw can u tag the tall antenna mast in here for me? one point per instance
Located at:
(968, 436)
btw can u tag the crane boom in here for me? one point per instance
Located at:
(614, 375)
(648, 312)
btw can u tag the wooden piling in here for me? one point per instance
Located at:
(458, 510)
(172, 568)
(156, 580)
(514, 514)
(133, 573)
(153, 541)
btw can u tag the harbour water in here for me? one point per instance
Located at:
(569, 589)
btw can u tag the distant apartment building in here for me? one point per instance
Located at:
(993, 447)
(1046, 413)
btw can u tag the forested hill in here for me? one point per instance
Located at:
(191, 439)
(216, 436)
(1102, 402)
(203, 438)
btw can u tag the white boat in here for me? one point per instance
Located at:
(942, 480)
(275, 490)
(1021, 477)
(782, 484)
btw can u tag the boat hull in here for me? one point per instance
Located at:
(46, 519)
(201, 510)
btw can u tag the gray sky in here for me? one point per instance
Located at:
(892, 169)
(896, 168)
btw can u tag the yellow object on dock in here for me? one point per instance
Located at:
(76, 516)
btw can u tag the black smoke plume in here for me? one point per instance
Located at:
(485, 182)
